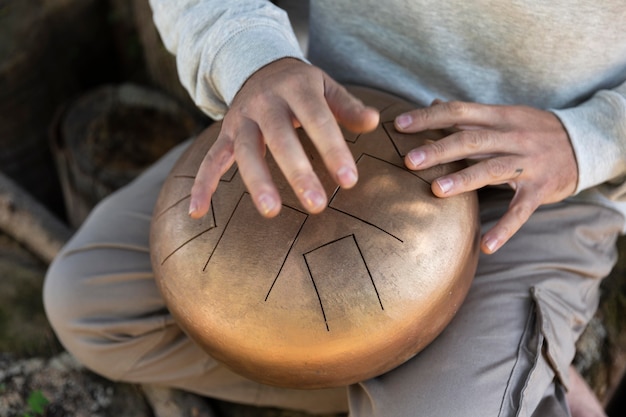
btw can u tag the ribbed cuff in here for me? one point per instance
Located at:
(597, 131)
(245, 53)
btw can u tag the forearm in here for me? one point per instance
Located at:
(218, 44)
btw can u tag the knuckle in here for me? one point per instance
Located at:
(496, 168)
(254, 183)
(278, 144)
(300, 83)
(438, 148)
(211, 160)
(294, 83)
(203, 184)
(506, 230)
(255, 101)
(456, 108)
(466, 178)
(227, 143)
(320, 120)
(245, 147)
(244, 150)
(336, 153)
(277, 122)
(426, 116)
(482, 141)
(523, 210)
(301, 179)
(472, 141)
(257, 106)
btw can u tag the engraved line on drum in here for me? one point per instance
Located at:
(223, 231)
(318, 265)
(187, 242)
(289, 251)
(227, 177)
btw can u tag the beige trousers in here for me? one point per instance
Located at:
(506, 353)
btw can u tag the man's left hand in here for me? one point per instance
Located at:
(526, 148)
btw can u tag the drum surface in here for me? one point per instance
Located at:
(312, 301)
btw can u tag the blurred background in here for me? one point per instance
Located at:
(89, 97)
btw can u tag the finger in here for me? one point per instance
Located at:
(349, 111)
(319, 122)
(249, 153)
(444, 115)
(284, 144)
(491, 171)
(217, 161)
(460, 145)
(523, 205)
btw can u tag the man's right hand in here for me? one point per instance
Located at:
(276, 99)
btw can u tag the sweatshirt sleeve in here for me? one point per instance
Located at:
(597, 130)
(219, 43)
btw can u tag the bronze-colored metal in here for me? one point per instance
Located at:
(311, 301)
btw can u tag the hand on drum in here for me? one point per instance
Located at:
(526, 148)
(285, 94)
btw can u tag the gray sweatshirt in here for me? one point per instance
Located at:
(567, 56)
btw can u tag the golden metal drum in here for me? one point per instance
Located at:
(312, 301)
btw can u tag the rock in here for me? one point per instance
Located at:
(601, 350)
(228, 409)
(24, 328)
(167, 402)
(61, 387)
(108, 136)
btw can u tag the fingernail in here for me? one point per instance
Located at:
(416, 157)
(267, 203)
(445, 184)
(491, 244)
(314, 199)
(347, 177)
(404, 120)
(193, 207)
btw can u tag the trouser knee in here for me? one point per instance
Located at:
(75, 320)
